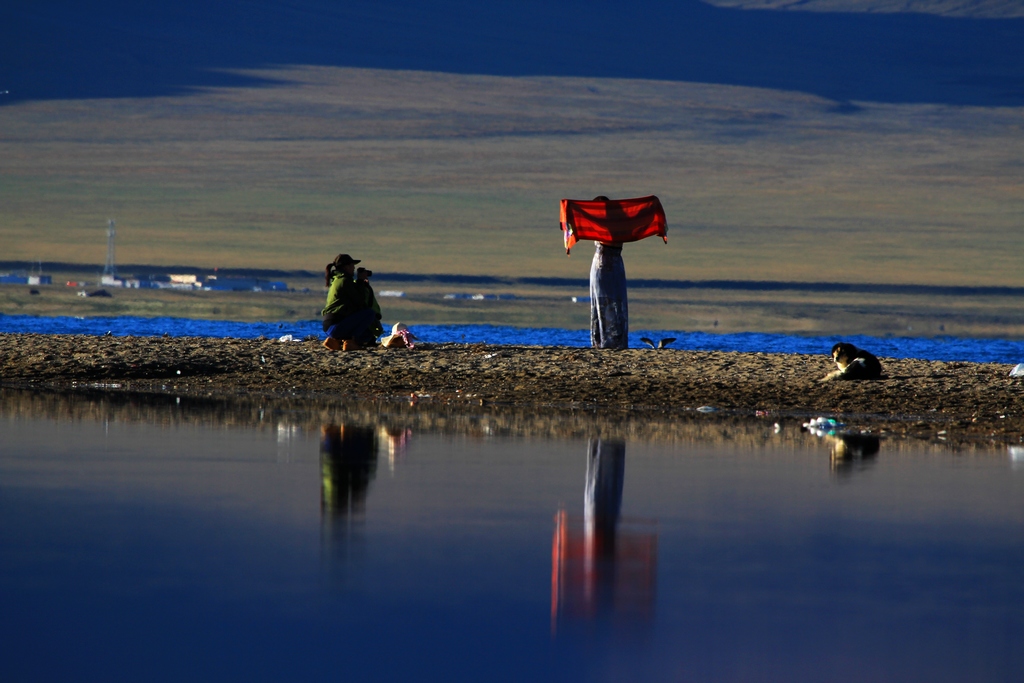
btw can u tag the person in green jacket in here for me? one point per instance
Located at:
(363, 283)
(349, 316)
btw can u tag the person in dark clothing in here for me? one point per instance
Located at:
(609, 310)
(363, 283)
(349, 316)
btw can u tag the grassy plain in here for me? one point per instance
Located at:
(438, 173)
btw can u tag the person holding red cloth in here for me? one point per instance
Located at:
(610, 223)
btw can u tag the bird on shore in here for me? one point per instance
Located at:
(663, 344)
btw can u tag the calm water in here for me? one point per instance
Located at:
(153, 541)
(935, 348)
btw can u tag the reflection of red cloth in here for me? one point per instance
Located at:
(612, 576)
(617, 220)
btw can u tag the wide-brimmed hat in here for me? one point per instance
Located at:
(344, 260)
(396, 334)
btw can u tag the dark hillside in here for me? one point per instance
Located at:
(125, 48)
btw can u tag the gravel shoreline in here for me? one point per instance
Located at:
(948, 401)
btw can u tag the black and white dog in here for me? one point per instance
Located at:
(853, 363)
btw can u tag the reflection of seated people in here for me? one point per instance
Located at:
(348, 462)
(848, 450)
(394, 440)
(603, 569)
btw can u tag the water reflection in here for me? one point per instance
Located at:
(348, 463)
(349, 454)
(602, 568)
(307, 415)
(394, 440)
(851, 453)
(1016, 457)
(258, 537)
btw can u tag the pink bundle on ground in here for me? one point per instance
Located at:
(400, 337)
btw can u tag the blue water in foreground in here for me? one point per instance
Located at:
(937, 348)
(160, 541)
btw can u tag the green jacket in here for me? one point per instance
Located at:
(344, 298)
(347, 296)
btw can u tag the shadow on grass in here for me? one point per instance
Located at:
(59, 49)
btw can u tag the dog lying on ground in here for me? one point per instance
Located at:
(853, 363)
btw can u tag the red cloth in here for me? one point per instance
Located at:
(616, 220)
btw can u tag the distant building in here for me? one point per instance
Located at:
(12, 279)
(242, 284)
(148, 281)
(184, 280)
(482, 297)
(187, 281)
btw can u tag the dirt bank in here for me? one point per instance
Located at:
(940, 400)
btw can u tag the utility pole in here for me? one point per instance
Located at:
(109, 268)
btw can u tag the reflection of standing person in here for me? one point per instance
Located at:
(603, 570)
(606, 473)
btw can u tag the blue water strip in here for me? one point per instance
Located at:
(936, 348)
